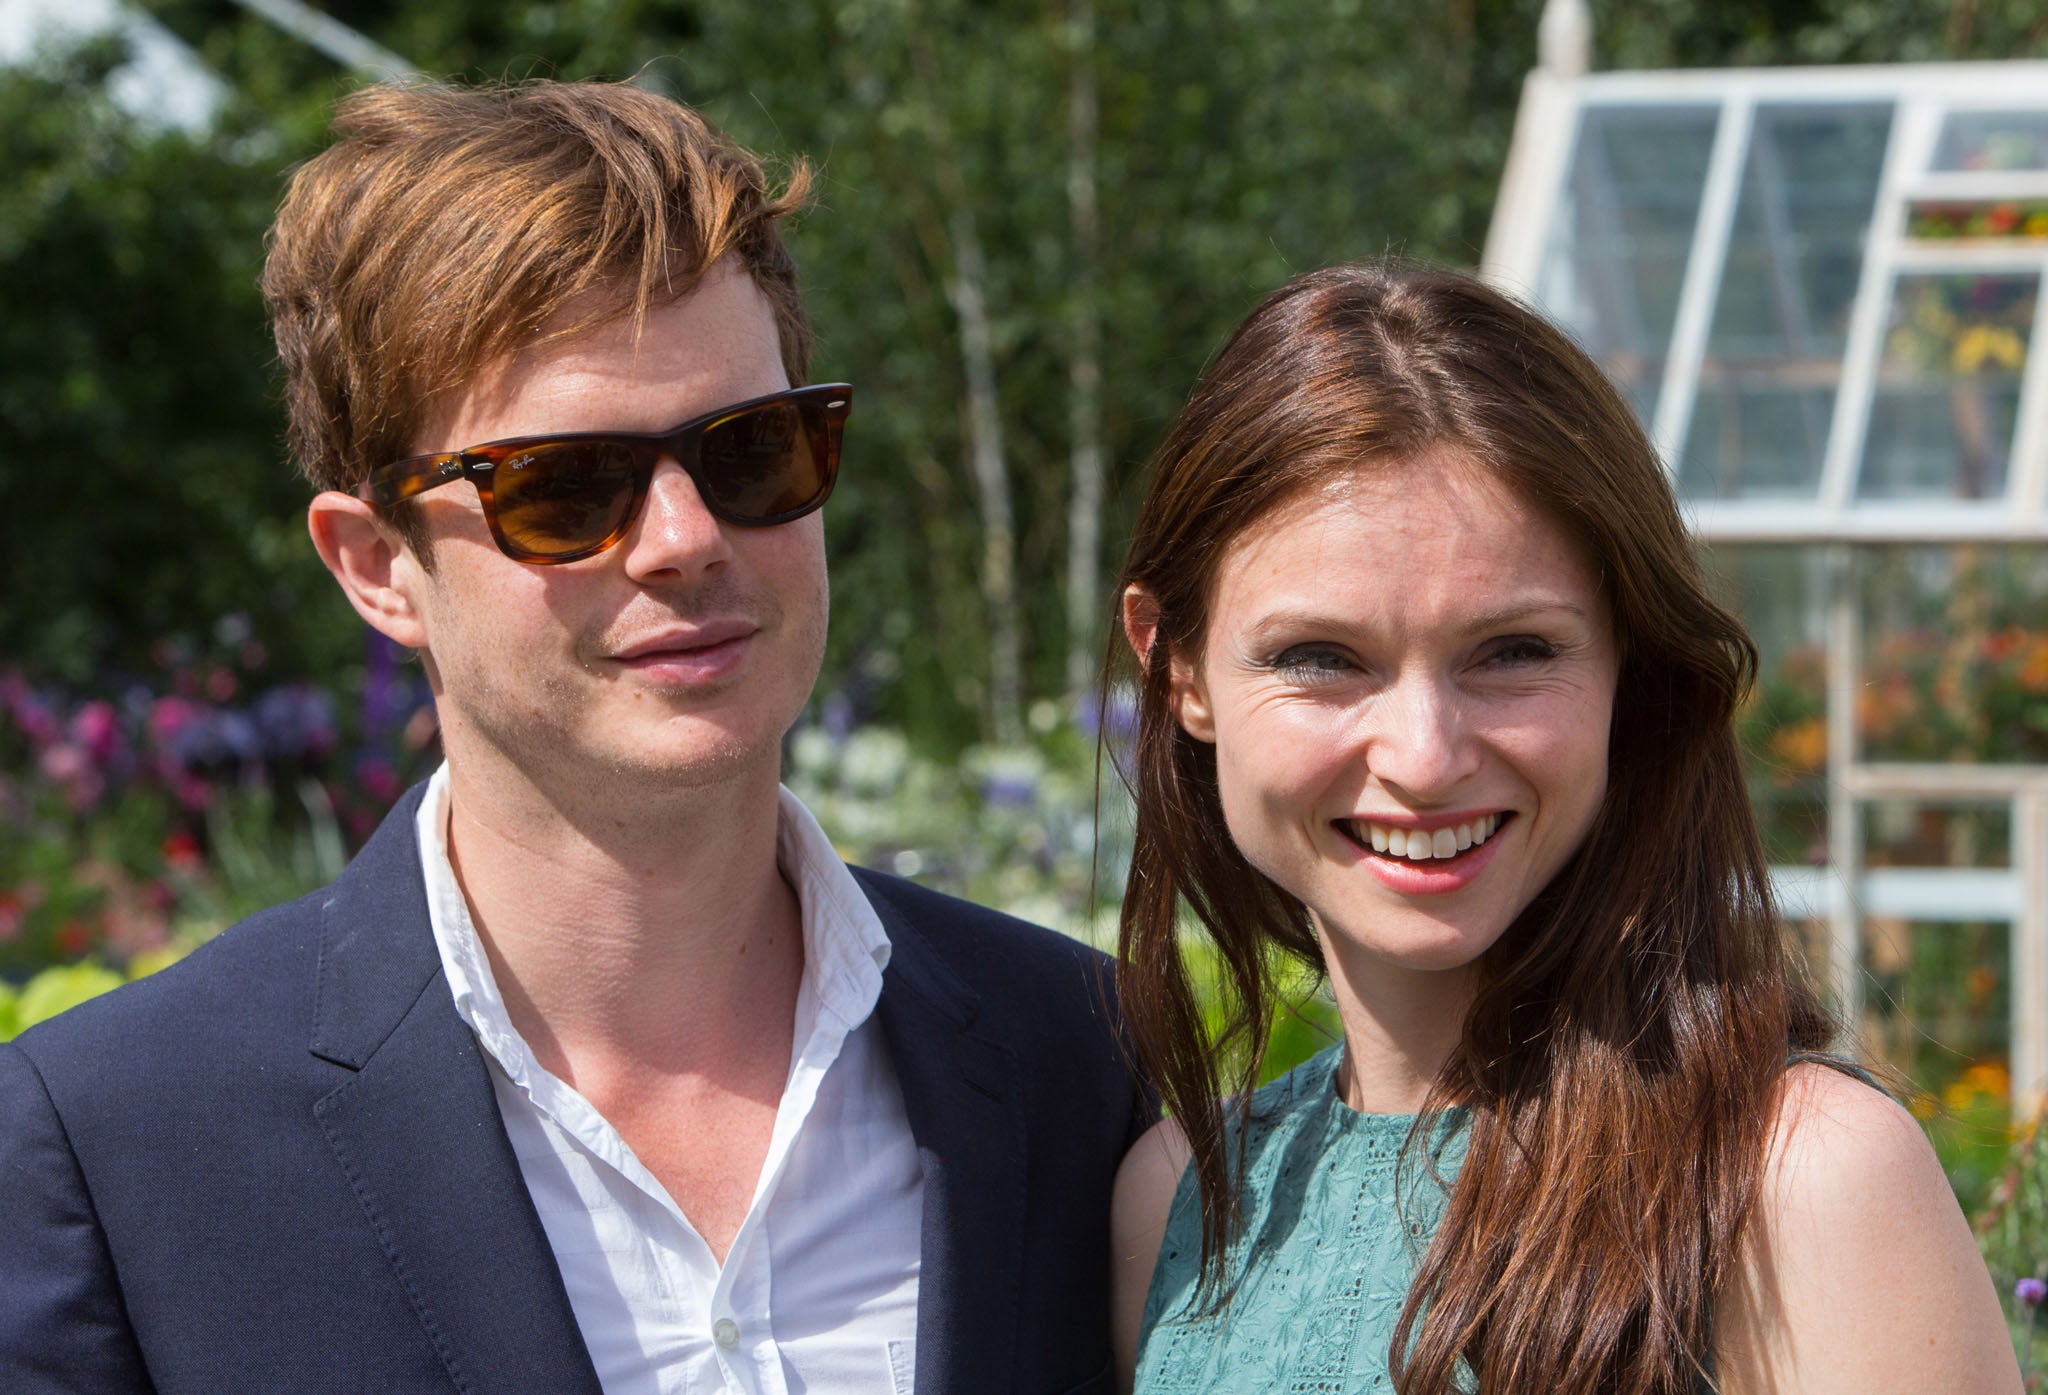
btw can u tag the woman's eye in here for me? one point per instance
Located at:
(1311, 661)
(1520, 651)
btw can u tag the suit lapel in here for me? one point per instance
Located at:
(417, 1132)
(963, 1097)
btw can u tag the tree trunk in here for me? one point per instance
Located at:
(991, 476)
(1084, 405)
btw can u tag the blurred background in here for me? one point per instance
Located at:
(1807, 238)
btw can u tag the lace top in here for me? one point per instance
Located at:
(1327, 1253)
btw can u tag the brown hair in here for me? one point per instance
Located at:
(1629, 1030)
(449, 224)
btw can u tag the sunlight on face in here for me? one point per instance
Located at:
(1408, 677)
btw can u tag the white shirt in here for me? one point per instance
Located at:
(818, 1295)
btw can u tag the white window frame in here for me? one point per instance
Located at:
(1923, 96)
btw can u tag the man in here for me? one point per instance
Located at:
(596, 1070)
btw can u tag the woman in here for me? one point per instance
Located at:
(1433, 697)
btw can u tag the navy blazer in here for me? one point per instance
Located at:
(278, 1166)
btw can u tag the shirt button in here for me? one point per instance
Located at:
(726, 1333)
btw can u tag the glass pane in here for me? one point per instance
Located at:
(1937, 1007)
(1781, 320)
(1909, 833)
(1781, 594)
(1624, 229)
(1993, 140)
(1948, 388)
(1955, 653)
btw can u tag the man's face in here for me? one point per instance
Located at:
(676, 658)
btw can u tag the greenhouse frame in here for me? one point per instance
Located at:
(1821, 288)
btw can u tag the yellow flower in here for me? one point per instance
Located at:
(1995, 344)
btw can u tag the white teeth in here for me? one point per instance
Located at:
(1423, 845)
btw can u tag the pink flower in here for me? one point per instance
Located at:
(2030, 1291)
(168, 716)
(63, 763)
(378, 779)
(191, 792)
(96, 728)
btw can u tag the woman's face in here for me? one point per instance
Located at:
(1408, 676)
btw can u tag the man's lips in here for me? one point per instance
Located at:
(682, 643)
(698, 654)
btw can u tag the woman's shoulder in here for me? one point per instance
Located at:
(1140, 1207)
(1859, 1273)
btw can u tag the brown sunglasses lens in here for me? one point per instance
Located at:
(765, 463)
(761, 466)
(564, 498)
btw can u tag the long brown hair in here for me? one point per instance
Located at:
(1622, 1053)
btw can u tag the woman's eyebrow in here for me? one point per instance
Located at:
(1510, 614)
(1310, 617)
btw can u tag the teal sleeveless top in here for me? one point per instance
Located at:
(1326, 1256)
(1328, 1250)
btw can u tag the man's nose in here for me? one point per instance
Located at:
(1423, 745)
(675, 531)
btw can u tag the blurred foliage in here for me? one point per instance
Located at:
(2012, 1232)
(1235, 144)
(142, 494)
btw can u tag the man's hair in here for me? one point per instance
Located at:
(448, 225)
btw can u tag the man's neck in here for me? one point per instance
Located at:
(651, 934)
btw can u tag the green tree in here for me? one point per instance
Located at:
(143, 490)
(1036, 222)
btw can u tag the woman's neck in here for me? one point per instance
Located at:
(1400, 1026)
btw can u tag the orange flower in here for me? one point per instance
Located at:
(2034, 668)
(1802, 748)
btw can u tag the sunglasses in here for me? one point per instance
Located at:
(548, 499)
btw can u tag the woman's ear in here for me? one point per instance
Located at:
(1141, 622)
(376, 569)
(1186, 694)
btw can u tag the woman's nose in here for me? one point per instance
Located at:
(1422, 744)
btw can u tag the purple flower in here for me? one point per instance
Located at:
(2030, 1291)
(1119, 723)
(296, 721)
(836, 716)
(31, 713)
(1009, 789)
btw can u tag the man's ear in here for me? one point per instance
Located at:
(376, 569)
(1185, 691)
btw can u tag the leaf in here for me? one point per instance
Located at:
(59, 989)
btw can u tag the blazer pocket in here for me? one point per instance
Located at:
(1103, 1382)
